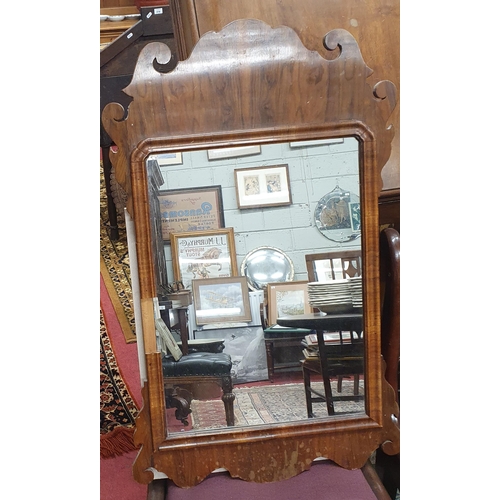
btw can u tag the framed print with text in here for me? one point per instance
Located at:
(203, 254)
(190, 209)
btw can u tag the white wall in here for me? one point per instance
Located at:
(314, 172)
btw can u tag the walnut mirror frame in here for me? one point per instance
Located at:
(251, 84)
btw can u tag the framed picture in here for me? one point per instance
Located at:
(190, 209)
(263, 186)
(217, 154)
(316, 142)
(169, 159)
(287, 298)
(203, 255)
(221, 300)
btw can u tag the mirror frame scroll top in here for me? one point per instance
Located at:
(247, 85)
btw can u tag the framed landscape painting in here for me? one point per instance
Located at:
(287, 298)
(221, 300)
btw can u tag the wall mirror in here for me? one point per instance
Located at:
(254, 87)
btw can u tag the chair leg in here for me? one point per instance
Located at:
(180, 399)
(339, 383)
(270, 359)
(307, 388)
(228, 399)
(328, 395)
(356, 384)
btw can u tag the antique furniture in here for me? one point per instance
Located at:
(117, 60)
(287, 339)
(389, 272)
(332, 360)
(335, 265)
(322, 266)
(198, 364)
(387, 466)
(251, 84)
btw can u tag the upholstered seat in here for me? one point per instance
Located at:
(194, 368)
(197, 363)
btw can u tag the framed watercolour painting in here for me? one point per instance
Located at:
(221, 300)
(262, 186)
(287, 299)
(203, 254)
(190, 209)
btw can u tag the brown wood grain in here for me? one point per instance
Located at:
(373, 23)
(253, 84)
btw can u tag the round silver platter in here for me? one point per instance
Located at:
(265, 265)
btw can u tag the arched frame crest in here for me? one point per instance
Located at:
(252, 84)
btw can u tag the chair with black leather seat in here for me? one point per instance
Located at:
(195, 368)
(186, 367)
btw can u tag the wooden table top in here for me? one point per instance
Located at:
(323, 321)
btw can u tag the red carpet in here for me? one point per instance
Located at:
(117, 482)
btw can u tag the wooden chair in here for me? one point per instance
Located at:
(336, 265)
(387, 466)
(193, 368)
(322, 266)
(337, 360)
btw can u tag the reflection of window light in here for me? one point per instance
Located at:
(256, 260)
(277, 259)
(277, 274)
(229, 311)
(259, 276)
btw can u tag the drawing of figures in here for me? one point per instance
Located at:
(252, 185)
(273, 183)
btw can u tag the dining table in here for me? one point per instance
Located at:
(328, 353)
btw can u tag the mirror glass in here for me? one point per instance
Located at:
(220, 214)
(265, 265)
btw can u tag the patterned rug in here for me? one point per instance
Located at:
(115, 268)
(270, 404)
(118, 408)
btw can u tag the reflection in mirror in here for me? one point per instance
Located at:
(265, 265)
(246, 373)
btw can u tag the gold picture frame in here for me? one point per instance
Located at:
(221, 300)
(203, 255)
(287, 299)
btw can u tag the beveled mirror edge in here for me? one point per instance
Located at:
(347, 106)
